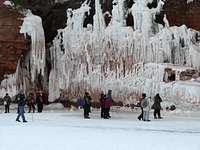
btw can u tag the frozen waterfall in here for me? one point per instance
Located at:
(128, 60)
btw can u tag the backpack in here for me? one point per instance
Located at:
(81, 101)
(145, 103)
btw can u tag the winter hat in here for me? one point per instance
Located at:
(143, 95)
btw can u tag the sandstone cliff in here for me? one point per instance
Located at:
(12, 44)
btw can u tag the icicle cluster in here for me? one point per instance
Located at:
(32, 26)
(127, 60)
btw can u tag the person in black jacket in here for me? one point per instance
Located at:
(156, 106)
(87, 105)
(102, 99)
(39, 102)
(107, 104)
(20, 98)
(7, 101)
(140, 117)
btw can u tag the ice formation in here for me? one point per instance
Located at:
(32, 26)
(128, 60)
(33, 63)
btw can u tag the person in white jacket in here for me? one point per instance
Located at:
(146, 108)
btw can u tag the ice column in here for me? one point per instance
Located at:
(32, 26)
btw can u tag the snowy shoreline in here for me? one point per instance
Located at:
(58, 107)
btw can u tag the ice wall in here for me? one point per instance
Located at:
(118, 57)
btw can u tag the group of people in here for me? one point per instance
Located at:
(22, 100)
(145, 106)
(30, 101)
(105, 104)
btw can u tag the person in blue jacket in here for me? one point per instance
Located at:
(20, 98)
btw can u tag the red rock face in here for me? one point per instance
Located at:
(193, 15)
(12, 44)
(179, 13)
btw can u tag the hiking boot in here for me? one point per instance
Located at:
(147, 120)
(18, 120)
(25, 121)
(106, 118)
(87, 117)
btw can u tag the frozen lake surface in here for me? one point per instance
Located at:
(67, 130)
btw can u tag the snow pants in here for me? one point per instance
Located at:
(141, 115)
(146, 115)
(7, 108)
(156, 112)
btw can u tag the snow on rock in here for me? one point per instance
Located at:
(189, 1)
(127, 60)
(8, 3)
(32, 26)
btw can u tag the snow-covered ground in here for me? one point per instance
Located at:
(67, 130)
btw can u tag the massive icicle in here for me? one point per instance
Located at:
(32, 26)
(125, 59)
